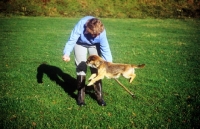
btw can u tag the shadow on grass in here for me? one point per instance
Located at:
(68, 83)
(55, 74)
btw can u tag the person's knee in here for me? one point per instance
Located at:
(81, 68)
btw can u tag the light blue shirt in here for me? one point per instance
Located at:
(78, 36)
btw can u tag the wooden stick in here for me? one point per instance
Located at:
(124, 87)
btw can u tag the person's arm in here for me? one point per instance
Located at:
(75, 34)
(104, 47)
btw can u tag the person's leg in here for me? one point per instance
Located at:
(94, 50)
(99, 93)
(80, 53)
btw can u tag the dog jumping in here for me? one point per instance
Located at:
(110, 70)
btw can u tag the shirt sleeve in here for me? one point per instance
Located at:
(104, 47)
(75, 34)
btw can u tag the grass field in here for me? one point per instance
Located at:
(167, 89)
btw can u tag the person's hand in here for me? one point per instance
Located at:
(66, 58)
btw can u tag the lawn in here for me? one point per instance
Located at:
(167, 89)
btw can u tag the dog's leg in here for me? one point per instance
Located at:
(92, 76)
(90, 83)
(132, 77)
(94, 80)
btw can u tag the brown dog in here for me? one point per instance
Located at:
(110, 70)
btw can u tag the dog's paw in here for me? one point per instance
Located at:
(90, 79)
(90, 83)
(92, 76)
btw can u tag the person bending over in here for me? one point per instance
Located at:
(87, 37)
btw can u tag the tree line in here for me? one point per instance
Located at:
(102, 8)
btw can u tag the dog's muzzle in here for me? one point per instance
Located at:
(90, 65)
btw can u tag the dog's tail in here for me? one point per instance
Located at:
(138, 66)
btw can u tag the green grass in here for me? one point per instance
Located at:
(167, 89)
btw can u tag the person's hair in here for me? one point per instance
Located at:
(94, 26)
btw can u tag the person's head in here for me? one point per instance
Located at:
(94, 27)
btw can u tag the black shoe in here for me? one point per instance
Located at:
(102, 103)
(81, 104)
